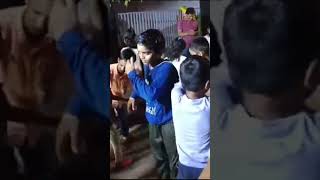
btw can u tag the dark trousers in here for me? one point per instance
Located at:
(123, 120)
(163, 145)
(186, 172)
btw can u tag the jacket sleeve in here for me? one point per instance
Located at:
(90, 71)
(160, 86)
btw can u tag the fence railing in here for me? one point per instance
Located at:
(165, 21)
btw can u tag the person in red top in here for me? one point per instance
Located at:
(188, 26)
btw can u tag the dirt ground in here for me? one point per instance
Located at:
(137, 149)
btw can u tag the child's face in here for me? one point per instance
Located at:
(146, 55)
(121, 65)
(184, 16)
(189, 17)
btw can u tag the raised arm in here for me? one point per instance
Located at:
(159, 87)
(90, 70)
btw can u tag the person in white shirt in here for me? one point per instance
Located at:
(191, 117)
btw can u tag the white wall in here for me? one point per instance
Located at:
(154, 5)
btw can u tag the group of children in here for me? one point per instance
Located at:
(173, 87)
(263, 127)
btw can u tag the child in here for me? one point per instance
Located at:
(191, 117)
(272, 60)
(155, 89)
(200, 47)
(174, 53)
(121, 89)
(188, 26)
(129, 39)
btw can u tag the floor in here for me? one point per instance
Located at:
(137, 149)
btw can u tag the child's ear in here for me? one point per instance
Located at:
(312, 77)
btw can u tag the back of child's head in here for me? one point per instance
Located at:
(194, 73)
(176, 48)
(126, 54)
(129, 38)
(153, 40)
(269, 44)
(200, 45)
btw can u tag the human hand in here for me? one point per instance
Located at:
(130, 65)
(115, 104)
(131, 105)
(138, 66)
(67, 128)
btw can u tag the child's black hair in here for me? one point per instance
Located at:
(152, 39)
(194, 73)
(200, 44)
(190, 10)
(127, 53)
(129, 38)
(269, 44)
(176, 48)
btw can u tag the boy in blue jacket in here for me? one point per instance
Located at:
(91, 76)
(155, 89)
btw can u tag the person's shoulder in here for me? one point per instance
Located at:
(113, 66)
(165, 65)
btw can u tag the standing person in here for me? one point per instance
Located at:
(200, 47)
(174, 53)
(188, 26)
(91, 73)
(129, 39)
(155, 89)
(191, 117)
(34, 77)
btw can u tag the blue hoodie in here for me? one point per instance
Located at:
(91, 74)
(155, 89)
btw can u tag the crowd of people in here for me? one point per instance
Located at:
(166, 88)
(173, 84)
(263, 127)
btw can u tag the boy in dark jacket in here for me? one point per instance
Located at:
(155, 89)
